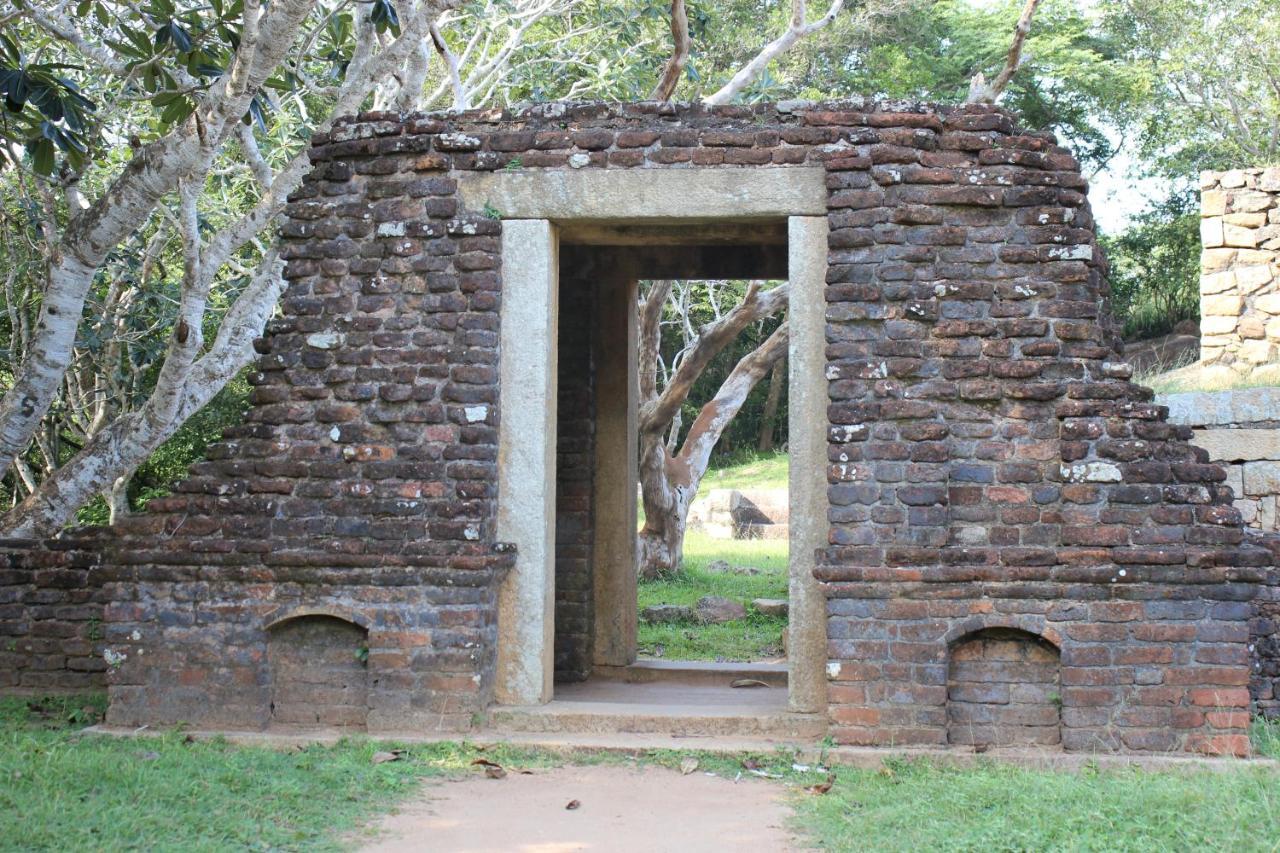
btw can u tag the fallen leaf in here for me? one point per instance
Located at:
(525, 772)
(384, 757)
(751, 764)
(822, 787)
(149, 756)
(495, 773)
(484, 762)
(688, 766)
(981, 747)
(571, 805)
(747, 682)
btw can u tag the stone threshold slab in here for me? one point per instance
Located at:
(810, 751)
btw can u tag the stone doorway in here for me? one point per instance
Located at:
(568, 610)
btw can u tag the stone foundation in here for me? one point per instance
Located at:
(1240, 265)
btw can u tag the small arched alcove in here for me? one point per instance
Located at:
(318, 671)
(1003, 690)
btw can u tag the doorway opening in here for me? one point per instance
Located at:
(568, 446)
(629, 628)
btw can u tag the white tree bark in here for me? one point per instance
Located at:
(982, 92)
(797, 29)
(669, 479)
(94, 231)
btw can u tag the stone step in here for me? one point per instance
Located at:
(604, 706)
(649, 671)
(565, 717)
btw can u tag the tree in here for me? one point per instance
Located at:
(673, 461)
(216, 102)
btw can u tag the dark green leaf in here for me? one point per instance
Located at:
(42, 153)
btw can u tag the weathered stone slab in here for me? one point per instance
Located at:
(1207, 408)
(1235, 445)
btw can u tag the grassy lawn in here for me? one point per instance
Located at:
(60, 790)
(754, 638)
(764, 471)
(63, 791)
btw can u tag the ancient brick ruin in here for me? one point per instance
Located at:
(1018, 547)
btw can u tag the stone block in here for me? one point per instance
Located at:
(1268, 302)
(1223, 304)
(1251, 202)
(1262, 478)
(1236, 235)
(1213, 260)
(1212, 233)
(1246, 220)
(1257, 352)
(1213, 203)
(1218, 325)
(1218, 282)
(1235, 445)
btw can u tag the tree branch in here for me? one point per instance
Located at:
(796, 30)
(982, 93)
(655, 414)
(679, 53)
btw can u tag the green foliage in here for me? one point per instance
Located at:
(1155, 269)
(170, 461)
(1208, 95)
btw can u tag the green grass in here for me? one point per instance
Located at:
(753, 638)
(912, 805)
(762, 471)
(61, 790)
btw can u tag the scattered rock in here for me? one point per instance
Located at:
(770, 606)
(722, 567)
(714, 609)
(661, 613)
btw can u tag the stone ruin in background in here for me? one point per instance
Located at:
(1240, 266)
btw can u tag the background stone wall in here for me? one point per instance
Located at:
(1240, 268)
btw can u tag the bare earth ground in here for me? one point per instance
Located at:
(622, 809)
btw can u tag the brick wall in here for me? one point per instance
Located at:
(991, 466)
(575, 468)
(51, 609)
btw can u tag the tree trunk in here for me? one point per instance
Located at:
(666, 492)
(770, 415)
(118, 498)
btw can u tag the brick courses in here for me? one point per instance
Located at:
(991, 466)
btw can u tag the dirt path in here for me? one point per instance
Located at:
(622, 809)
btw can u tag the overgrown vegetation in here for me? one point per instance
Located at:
(1155, 269)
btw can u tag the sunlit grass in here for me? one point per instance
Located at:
(755, 638)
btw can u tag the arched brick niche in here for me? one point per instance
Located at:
(1004, 689)
(319, 674)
